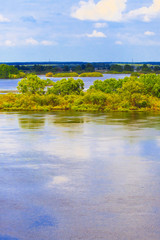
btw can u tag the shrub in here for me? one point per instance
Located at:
(49, 74)
(91, 74)
(68, 74)
(32, 84)
(67, 87)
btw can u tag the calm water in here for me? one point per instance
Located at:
(11, 84)
(71, 176)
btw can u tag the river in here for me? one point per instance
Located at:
(71, 176)
(11, 84)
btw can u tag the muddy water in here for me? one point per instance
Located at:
(71, 176)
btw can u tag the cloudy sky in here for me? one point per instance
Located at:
(74, 30)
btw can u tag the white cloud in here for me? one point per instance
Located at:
(9, 43)
(109, 10)
(100, 25)
(60, 180)
(48, 43)
(96, 34)
(113, 10)
(3, 19)
(137, 40)
(148, 33)
(118, 42)
(28, 41)
(32, 41)
(145, 13)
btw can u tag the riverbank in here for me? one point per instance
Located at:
(87, 101)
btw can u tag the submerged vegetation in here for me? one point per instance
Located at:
(128, 94)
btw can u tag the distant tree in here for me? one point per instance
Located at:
(25, 68)
(89, 67)
(66, 68)
(48, 68)
(83, 66)
(116, 68)
(12, 69)
(38, 68)
(6, 70)
(78, 69)
(57, 69)
(107, 67)
(138, 68)
(156, 68)
(145, 68)
(128, 68)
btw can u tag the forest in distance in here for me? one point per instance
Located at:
(75, 70)
(128, 94)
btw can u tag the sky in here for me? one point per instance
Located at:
(74, 30)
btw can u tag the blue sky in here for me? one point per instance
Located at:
(88, 30)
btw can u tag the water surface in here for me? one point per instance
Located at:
(71, 176)
(11, 84)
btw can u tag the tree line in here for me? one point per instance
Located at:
(9, 71)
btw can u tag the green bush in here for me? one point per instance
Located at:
(91, 74)
(108, 85)
(68, 74)
(128, 94)
(67, 87)
(152, 83)
(31, 84)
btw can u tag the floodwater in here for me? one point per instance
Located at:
(71, 176)
(11, 84)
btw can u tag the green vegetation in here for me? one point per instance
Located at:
(133, 69)
(135, 74)
(116, 68)
(7, 72)
(59, 75)
(128, 94)
(43, 68)
(74, 74)
(49, 74)
(108, 85)
(91, 74)
(32, 85)
(66, 87)
(74, 69)
(124, 69)
(82, 67)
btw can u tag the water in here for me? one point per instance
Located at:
(71, 176)
(11, 84)
(88, 81)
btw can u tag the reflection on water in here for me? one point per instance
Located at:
(89, 176)
(32, 122)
